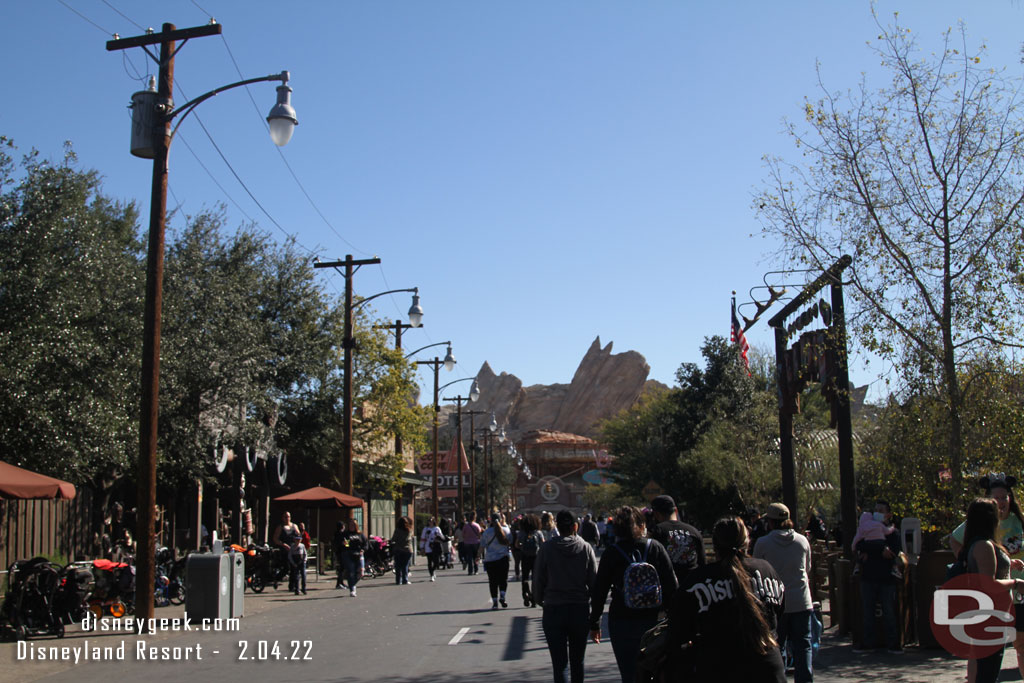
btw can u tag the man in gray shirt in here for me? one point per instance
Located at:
(789, 554)
(564, 578)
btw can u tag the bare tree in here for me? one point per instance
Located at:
(921, 182)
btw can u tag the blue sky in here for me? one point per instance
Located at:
(545, 172)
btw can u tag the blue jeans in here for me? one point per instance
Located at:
(352, 568)
(402, 559)
(472, 551)
(565, 629)
(795, 631)
(625, 635)
(872, 592)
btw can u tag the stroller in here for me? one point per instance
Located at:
(28, 604)
(378, 556)
(114, 591)
(264, 565)
(71, 603)
(170, 579)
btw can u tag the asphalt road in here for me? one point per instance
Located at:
(424, 632)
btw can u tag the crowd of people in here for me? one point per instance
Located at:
(749, 615)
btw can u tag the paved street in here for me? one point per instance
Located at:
(442, 631)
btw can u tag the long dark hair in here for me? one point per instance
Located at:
(730, 539)
(982, 522)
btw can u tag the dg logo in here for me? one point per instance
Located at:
(972, 616)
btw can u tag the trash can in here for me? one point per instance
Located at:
(208, 586)
(237, 561)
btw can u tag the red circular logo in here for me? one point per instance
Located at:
(972, 616)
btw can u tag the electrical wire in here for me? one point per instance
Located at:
(105, 31)
(124, 16)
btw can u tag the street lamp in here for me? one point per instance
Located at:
(473, 449)
(474, 394)
(153, 112)
(449, 364)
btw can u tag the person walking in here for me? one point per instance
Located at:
(589, 531)
(401, 547)
(471, 540)
(530, 541)
(353, 545)
(684, 543)
(729, 611)
(547, 526)
(495, 541)
(337, 547)
(790, 554)
(627, 621)
(565, 575)
(432, 542)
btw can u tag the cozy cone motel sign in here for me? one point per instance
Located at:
(448, 471)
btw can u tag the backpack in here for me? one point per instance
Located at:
(641, 587)
(530, 545)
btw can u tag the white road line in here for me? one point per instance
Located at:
(458, 636)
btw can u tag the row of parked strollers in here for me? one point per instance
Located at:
(42, 596)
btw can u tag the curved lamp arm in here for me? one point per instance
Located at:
(187, 108)
(427, 347)
(415, 311)
(472, 390)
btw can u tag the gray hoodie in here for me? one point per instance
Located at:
(565, 572)
(789, 554)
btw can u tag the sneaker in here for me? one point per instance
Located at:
(494, 604)
(303, 591)
(503, 603)
(352, 593)
(431, 577)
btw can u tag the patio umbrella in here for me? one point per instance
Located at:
(321, 497)
(16, 482)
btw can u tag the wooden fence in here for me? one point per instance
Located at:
(55, 528)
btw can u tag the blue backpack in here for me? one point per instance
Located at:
(641, 586)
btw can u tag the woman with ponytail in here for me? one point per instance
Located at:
(729, 610)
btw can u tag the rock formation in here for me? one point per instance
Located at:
(604, 385)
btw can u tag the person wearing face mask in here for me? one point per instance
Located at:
(1009, 534)
(877, 545)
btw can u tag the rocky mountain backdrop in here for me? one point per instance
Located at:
(605, 384)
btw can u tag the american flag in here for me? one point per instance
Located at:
(739, 338)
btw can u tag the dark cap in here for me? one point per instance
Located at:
(565, 518)
(778, 512)
(663, 504)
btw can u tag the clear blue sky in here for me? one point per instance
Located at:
(545, 172)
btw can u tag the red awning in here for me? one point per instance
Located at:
(318, 496)
(16, 482)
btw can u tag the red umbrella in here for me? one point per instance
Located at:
(16, 482)
(321, 497)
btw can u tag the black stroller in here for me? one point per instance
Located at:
(378, 557)
(114, 591)
(71, 603)
(28, 607)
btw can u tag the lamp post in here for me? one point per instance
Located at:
(348, 344)
(487, 432)
(153, 112)
(474, 394)
(449, 364)
(473, 449)
(398, 327)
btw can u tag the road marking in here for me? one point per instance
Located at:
(458, 636)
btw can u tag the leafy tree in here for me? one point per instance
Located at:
(921, 182)
(71, 285)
